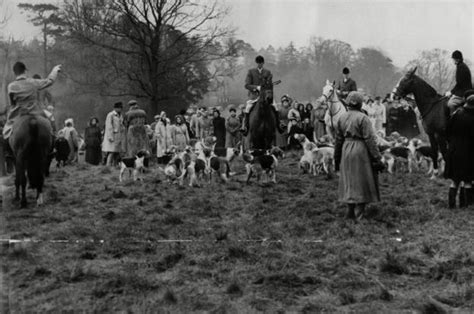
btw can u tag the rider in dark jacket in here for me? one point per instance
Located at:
(463, 82)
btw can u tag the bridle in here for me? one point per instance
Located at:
(330, 101)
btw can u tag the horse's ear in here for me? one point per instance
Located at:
(412, 71)
(327, 82)
(334, 83)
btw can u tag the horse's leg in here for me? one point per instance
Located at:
(434, 154)
(18, 171)
(23, 202)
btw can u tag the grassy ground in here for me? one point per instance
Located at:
(263, 247)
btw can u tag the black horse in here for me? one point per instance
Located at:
(262, 123)
(433, 109)
(31, 142)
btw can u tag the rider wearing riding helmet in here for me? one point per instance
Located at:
(347, 85)
(463, 82)
(258, 81)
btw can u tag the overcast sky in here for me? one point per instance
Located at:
(400, 28)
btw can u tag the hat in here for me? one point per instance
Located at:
(259, 59)
(118, 105)
(231, 108)
(132, 102)
(285, 97)
(468, 93)
(156, 116)
(346, 71)
(354, 99)
(457, 55)
(19, 68)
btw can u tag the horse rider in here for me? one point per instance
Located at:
(346, 86)
(463, 83)
(23, 96)
(258, 81)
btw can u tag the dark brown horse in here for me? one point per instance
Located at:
(433, 110)
(262, 123)
(31, 142)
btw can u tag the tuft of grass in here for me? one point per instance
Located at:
(172, 219)
(393, 264)
(169, 261)
(119, 194)
(237, 252)
(169, 297)
(234, 289)
(347, 298)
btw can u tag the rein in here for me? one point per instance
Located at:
(432, 105)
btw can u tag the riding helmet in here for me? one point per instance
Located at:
(457, 55)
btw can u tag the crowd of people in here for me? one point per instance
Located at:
(124, 134)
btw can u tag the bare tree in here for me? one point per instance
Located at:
(164, 46)
(5, 14)
(434, 66)
(44, 15)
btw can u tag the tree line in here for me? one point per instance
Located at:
(169, 55)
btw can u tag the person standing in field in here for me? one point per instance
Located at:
(93, 139)
(460, 157)
(113, 135)
(357, 157)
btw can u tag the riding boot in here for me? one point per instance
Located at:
(462, 197)
(278, 123)
(245, 124)
(350, 211)
(468, 196)
(452, 198)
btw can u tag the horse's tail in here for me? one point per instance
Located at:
(35, 156)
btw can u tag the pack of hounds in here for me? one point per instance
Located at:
(201, 162)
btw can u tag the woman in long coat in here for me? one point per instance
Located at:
(460, 157)
(137, 137)
(161, 136)
(355, 153)
(93, 139)
(218, 126)
(180, 133)
(232, 126)
(281, 139)
(318, 120)
(72, 137)
(113, 134)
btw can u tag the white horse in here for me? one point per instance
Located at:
(335, 108)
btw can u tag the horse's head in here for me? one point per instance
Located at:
(328, 90)
(405, 85)
(268, 96)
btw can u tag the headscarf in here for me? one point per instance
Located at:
(355, 99)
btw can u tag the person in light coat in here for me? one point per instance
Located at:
(113, 135)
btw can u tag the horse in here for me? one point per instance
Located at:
(433, 109)
(335, 108)
(31, 142)
(262, 123)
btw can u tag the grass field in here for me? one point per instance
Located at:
(257, 248)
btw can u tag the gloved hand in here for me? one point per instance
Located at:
(448, 94)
